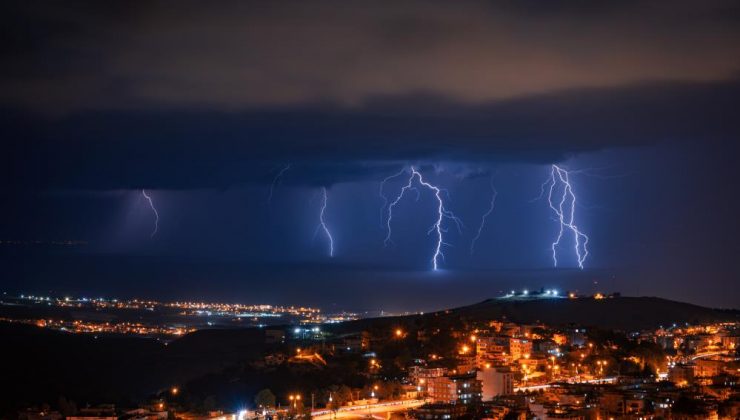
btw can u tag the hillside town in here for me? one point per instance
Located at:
(453, 368)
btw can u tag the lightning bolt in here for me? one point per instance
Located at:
(442, 214)
(275, 181)
(156, 214)
(322, 223)
(382, 194)
(564, 209)
(494, 194)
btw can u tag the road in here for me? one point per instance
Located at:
(709, 354)
(360, 411)
(607, 380)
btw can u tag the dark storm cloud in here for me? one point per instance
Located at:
(192, 149)
(62, 57)
(192, 94)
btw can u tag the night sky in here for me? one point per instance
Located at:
(203, 104)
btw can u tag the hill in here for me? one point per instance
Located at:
(619, 313)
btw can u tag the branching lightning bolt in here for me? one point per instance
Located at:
(442, 214)
(156, 214)
(275, 181)
(382, 195)
(322, 223)
(494, 194)
(565, 212)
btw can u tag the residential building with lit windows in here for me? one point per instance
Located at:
(455, 389)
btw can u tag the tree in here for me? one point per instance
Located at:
(265, 398)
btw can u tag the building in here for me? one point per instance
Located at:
(706, 368)
(440, 411)
(682, 375)
(421, 376)
(454, 389)
(576, 337)
(519, 348)
(466, 364)
(490, 351)
(101, 412)
(355, 342)
(730, 341)
(495, 381)
(145, 414)
(36, 414)
(545, 346)
(417, 373)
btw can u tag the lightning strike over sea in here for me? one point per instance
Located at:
(564, 208)
(156, 213)
(322, 222)
(494, 194)
(275, 182)
(442, 214)
(383, 196)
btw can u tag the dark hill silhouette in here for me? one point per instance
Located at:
(620, 313)
(47, 364)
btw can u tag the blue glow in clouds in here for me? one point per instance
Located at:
(442, 214)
